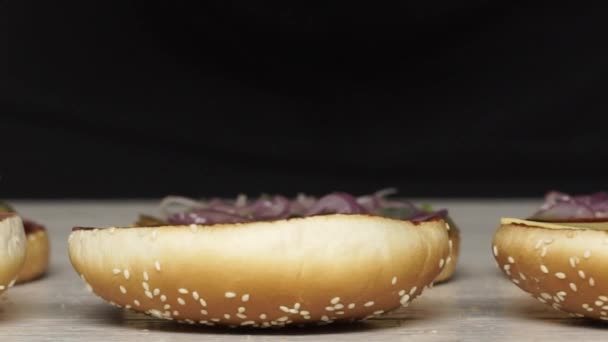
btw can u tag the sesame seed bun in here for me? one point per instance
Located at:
(560, 264)
(12, 249)
(454, 248)
(37, 253)
(317, 269)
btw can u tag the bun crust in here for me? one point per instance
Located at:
(560, 265)
(454, 249)
(316, 269)
(12, 249)
(37, 256)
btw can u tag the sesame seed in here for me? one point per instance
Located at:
(156, 292)
(605, 307)
(413, 290)
(149, 294)
(335, 300)
(573, 287)
(572, 262)
(116, 271)
(167, 307)
(379, 312)
(368, 304)
(351, 306)
(339, 312)
(230, 294)
(495, 250)
(181, 301)
(538, 243)
(401, 293)
(136, 302)
(329, 308)
(284, 308)
(516, 281)
(88, 286)
(405, 300)
(560, 275)
(587, 254)
(544, 269)
(450, 244)
(127, 306)
(282, 319)
(163, 298)
(263, 316)
(226, 316)
(306, 317)
(511, 260)
(2, 287)
(145, 286)
(581, 274)
(561, 293)
(541, 300)
(157, 265)
(241, 309)
(215, 319)
(441, 263)
(339, 306)
(241, 316)
(324, 318)
(175, 313)
(204, 312)
(123, 289)
(195, 295)
(182, 291)
(448, 260)
(248, 322)
(245, 297)
(304, 313)
(203, 302)
(506, 267)
(599, 303)
(293, 311)
(543, 252)
(297, 306)
(126, 274)
(604, 298)
(545, 295)
(522, 276)
(146, 276)
(591, 282)
(394, 280)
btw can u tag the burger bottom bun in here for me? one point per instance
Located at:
(36, 258)
(12, 249)
(560, 265)
(318, 269)
(454, 250)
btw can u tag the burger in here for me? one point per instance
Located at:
(559, 252)
(267, 262)
(38, 247)
(12, 249)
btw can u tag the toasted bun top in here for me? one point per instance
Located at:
(560, 264)
(318, 268)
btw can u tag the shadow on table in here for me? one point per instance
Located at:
(529, 308)
(105, 314)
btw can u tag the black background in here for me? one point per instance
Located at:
(438, 98)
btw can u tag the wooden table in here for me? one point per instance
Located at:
(477, 305)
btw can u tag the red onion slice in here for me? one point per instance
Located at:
(337, 203)
(271, 209)
(205, 216)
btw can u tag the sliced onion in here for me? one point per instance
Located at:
(337, 203)
(205, 216)
(428, 215)
(271, 209)
(561, 206)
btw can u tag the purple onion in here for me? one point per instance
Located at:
(559, 206)
(337, 203)
(205, 216)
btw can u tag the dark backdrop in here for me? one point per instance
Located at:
(438, 98)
